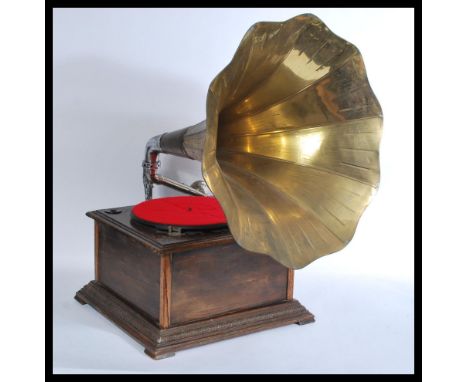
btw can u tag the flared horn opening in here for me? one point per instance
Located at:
(292, 140)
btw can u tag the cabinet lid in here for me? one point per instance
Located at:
(159, 241)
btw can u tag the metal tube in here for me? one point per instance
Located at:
(186, 143)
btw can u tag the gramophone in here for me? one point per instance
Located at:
(290, 154)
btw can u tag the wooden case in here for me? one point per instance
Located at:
(174, 291)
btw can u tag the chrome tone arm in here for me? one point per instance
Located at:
(187, 143)
(177, 185)
(150, 164)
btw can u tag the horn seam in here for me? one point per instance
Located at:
(318, 168)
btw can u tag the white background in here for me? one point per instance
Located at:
(124, 75)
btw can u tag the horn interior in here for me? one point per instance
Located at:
(292, 144)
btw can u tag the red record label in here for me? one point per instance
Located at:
(184, 211)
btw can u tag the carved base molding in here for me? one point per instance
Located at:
(161, 343)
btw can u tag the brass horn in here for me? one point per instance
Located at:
(290, 145)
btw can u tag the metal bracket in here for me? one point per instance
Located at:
(174, 231)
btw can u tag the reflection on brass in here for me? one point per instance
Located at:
(290, 146)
